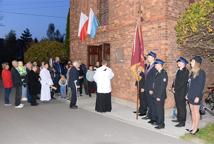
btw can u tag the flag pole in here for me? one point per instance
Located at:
(137, 109)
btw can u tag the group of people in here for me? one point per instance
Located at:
(28, 80)
(48, 79)
(187, 87)
(101, 75)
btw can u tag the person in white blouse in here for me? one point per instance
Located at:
(102, 77)
(46, 83)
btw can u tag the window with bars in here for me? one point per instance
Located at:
(103, 8)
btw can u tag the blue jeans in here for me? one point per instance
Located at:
(7, 92)
(63, 91)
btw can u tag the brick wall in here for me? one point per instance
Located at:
(158, 33)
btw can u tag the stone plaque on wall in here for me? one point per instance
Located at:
(119, 55)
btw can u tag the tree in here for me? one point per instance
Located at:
(54, 35)
(12, 51)
(44, 50)
(26, 37)
(195, 28)
(58, 36)
(10, 39)
(67, 37)
(51, 32)
(35, 40)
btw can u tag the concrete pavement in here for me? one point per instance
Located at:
(55, 123)
(123, 111)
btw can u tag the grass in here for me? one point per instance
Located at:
(205, 135)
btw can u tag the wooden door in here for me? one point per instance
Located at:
(94, 54)
(98, 53)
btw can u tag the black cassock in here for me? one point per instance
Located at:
(103, 102)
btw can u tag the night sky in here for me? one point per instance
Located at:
(33, 14)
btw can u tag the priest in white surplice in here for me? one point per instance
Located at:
(102, 77)
(46, 83)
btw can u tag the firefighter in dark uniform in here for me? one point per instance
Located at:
(159, 92)
(180, 91)
(150, 72)
(143, 105)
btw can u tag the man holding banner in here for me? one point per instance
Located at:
(137, 63)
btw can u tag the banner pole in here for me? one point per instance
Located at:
(137, 109)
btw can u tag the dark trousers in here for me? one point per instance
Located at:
(143, 103)
(73, 96)
(18, 95)
(28, 95)
(152, 107)
(181, 108)
(85, 83)
(7, 92)
(160, 111)
(81, 86)
(33, 100)
(90, 87)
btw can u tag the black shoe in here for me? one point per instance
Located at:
(189, 130)
(195, 132)
(180, 125)
(136, 112)
(73, 107)
(142, 114)
(53, 98)
(36, 104)
(161, 126)
(145, 118)
(175, 120)
(153, 123)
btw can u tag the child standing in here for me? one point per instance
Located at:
(62, 84)
(22, 71)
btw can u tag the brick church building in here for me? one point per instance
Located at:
(115, 36)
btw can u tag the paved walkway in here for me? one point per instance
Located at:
(55, 123)
(125, 114)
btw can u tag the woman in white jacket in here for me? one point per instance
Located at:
(102, 77)
(46, 83)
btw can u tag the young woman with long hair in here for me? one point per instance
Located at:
(195, 92)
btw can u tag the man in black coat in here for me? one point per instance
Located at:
(73, 84)
(180, 89)
(58, 71)
(159, 92)
(150, 73)
(17, 84)
(33, 85)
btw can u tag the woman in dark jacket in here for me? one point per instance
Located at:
(195, 92)
(33, 85)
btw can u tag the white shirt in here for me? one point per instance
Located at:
(102, 77)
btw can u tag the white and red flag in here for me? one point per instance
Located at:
(83, 27)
